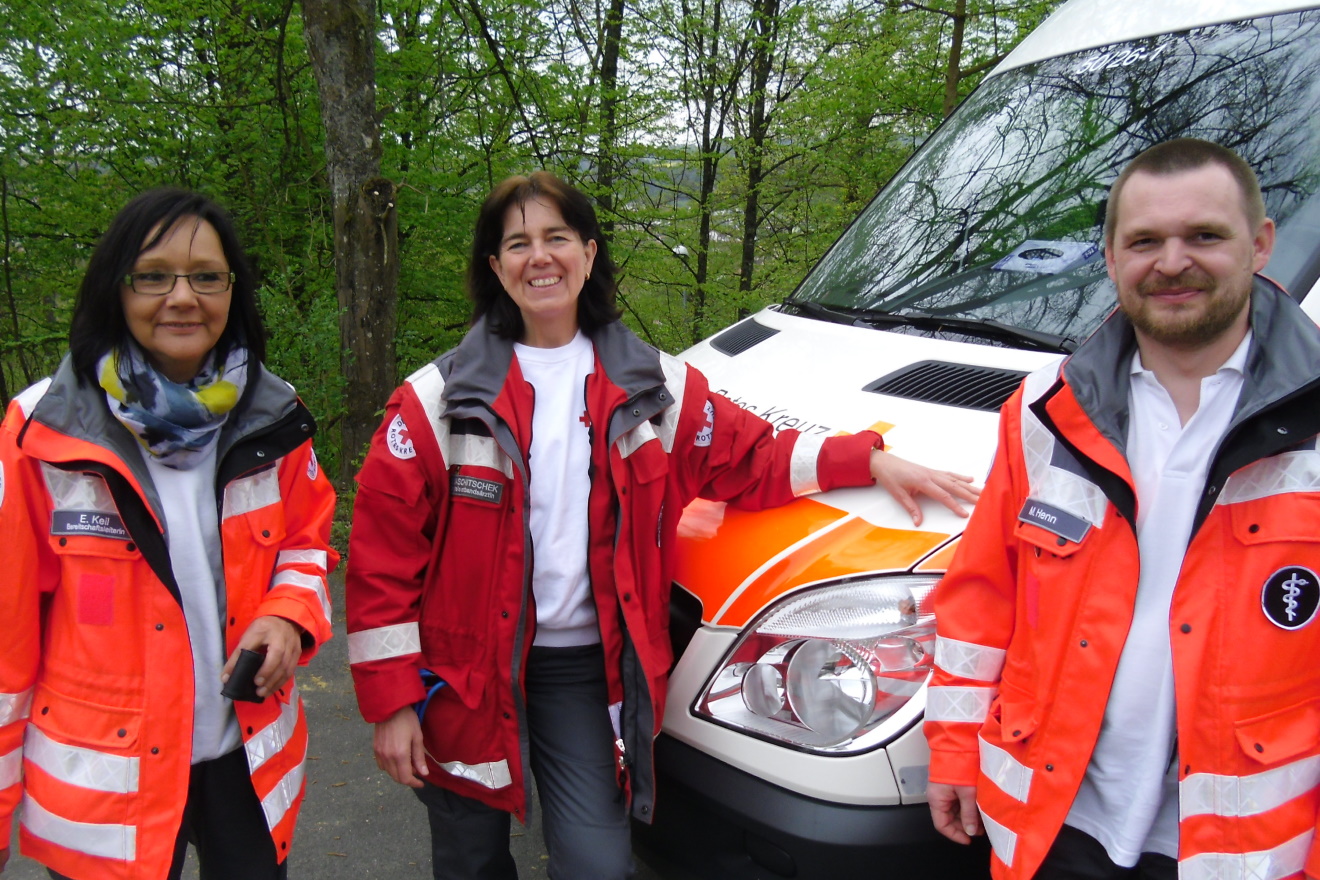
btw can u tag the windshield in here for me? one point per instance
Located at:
(999, 217)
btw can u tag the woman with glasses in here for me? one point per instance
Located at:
(165, 529)
(513, 544)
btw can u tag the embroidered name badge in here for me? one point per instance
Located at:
(88, 522)
(1291, 597)
(1054, 520)
(475, 488)
(398, 439)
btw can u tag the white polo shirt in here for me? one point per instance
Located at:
(1129, 798)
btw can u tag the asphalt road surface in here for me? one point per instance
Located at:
(355, 822)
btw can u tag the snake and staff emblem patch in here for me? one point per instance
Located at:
(1291, 597)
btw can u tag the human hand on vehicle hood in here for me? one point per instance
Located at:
(904, 480)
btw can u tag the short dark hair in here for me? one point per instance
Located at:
(596, 303)
(98, 323)
(1189, 154)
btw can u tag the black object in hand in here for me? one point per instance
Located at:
(242, 684)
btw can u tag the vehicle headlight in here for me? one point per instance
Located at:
(822, 669)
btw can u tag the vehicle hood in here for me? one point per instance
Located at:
(810, 376)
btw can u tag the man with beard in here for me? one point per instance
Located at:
(1124, 680)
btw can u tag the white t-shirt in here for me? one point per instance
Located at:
(1129, 797)
(193, 535)
(559, 462)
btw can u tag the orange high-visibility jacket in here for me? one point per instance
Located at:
(1036, 606)
(96, 674)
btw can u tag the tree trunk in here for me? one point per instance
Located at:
(764, 13)
(341, 42)
(609, 124)
(953, 70)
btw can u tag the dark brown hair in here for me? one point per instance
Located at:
(595, 304)
(1189, 154)
(98, 323)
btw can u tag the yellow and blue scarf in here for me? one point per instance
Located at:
(175, 423)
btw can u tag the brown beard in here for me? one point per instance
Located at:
(1192, 330)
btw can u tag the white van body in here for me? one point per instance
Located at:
(750, 791)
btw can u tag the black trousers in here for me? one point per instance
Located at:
(1077, 855)
(583, 815)
(224, 821)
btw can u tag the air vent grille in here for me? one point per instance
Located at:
(741, 337)
(964, 385)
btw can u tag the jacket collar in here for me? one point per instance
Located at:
(77, 410)
(478, 367)
(1283, 361)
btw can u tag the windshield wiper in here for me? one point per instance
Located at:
(984, 328)
(978, 327)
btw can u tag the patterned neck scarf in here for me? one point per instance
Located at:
(175, 423)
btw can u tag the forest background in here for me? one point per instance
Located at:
(726, 143)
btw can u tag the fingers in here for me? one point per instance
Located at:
(280, 641)
(397, 743)
(949, 811)
(969, 813)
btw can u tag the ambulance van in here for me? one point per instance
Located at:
(792, 745)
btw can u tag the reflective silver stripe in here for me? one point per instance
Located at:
(27, 399)
(1297, 471)
(250, 493)
(1064, 489)
(11, 768)
(492, 775)
(384, 642)
(318, 558)
(1284, 860)
(802, 473)
(15, 707)
(290, 578)
(429, 386)
(103, 841)
(85, 768)
(1005, 771)
(631, 441)
(1004, 841)
(271, 739)
(969, 660)
(959, 703)
(1207, 793)
(676, 371)
(473, 449)
(281, 797)
(77, 491)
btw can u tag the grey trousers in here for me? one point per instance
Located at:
(572, 752)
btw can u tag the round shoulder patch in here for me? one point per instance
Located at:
(2, 484)
(1291, 597)
(312, 467)
(707, 430)
(398, 439)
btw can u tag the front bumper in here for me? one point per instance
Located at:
(718, 822)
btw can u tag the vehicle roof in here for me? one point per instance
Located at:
(1088, 24)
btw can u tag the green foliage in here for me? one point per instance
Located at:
(107, 97)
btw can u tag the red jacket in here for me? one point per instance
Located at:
(1032, 615)
(440, 557)
(96, 674)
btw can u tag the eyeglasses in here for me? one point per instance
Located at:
(161, 283)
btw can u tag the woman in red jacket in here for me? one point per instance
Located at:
(160, 509)
(512, 546)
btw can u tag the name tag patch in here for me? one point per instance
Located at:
(1054, 520)
(88, 522)
(476, 488)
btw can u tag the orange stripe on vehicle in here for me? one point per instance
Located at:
(713, 566)
(853, 547)
(940, 559)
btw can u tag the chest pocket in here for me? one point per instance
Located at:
(84, 518)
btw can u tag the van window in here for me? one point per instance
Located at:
(995, 225)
